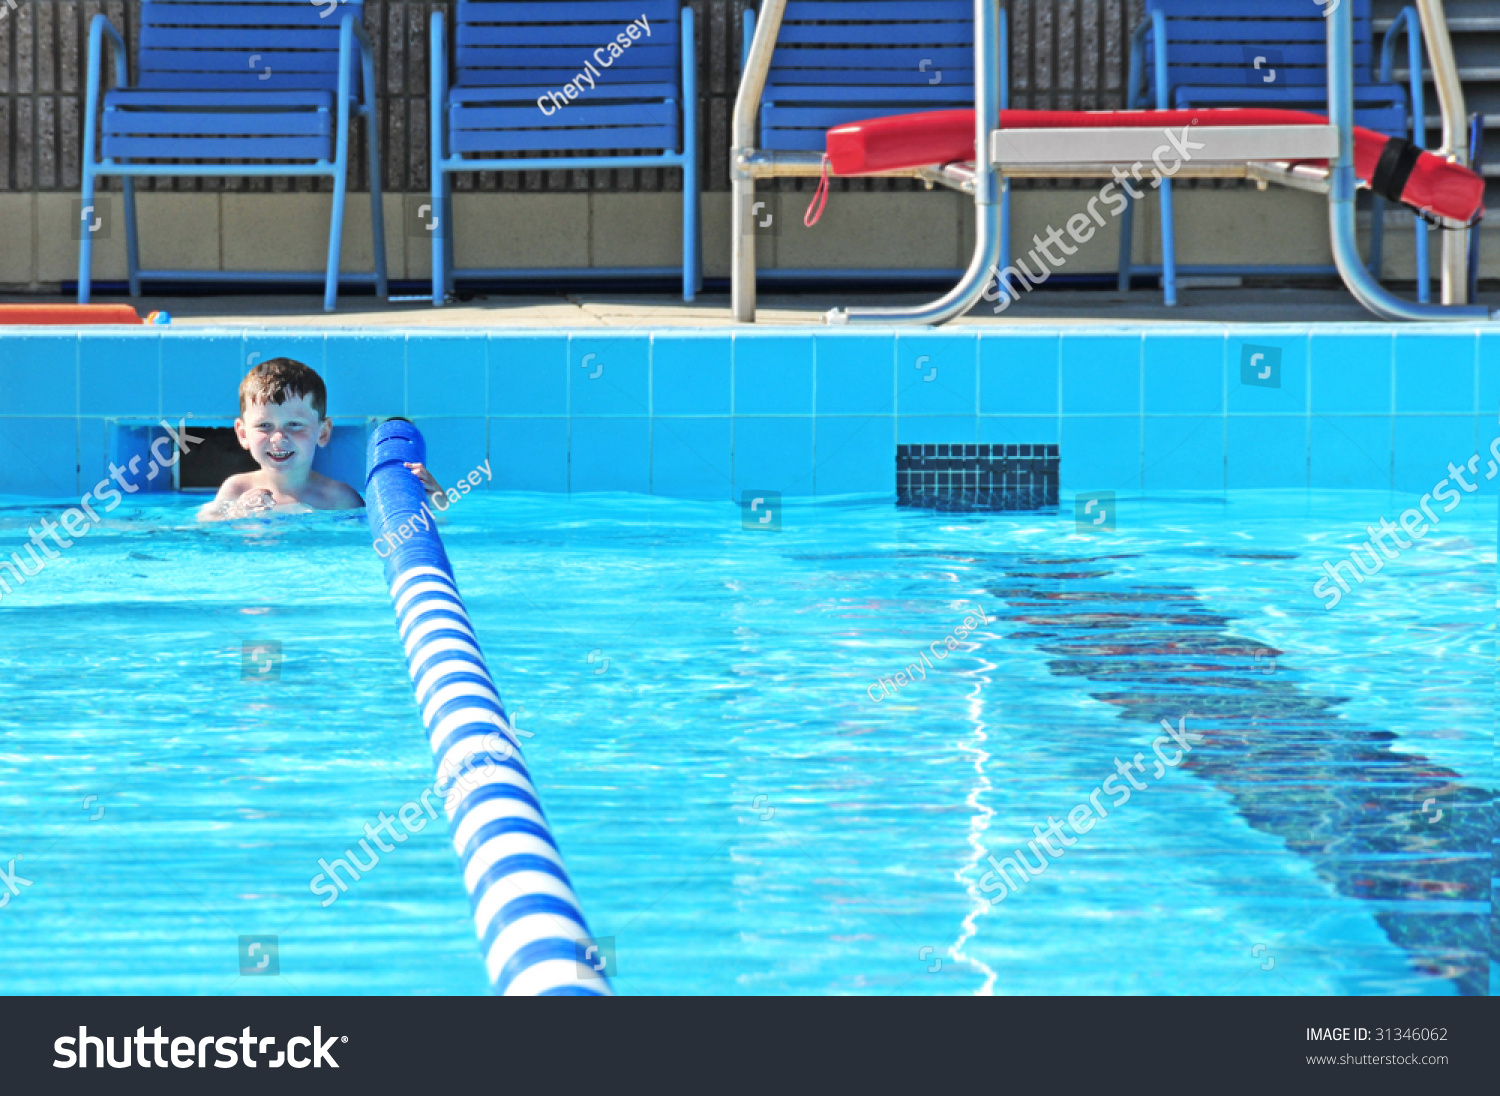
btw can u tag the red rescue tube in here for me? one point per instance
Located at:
(69, 314)
(1431, 184)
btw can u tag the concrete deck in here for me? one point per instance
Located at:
(631, 311)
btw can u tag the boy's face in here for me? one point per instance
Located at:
(282, 437)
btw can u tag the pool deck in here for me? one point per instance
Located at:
(636, 311)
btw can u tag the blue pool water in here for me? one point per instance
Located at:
(737, 812)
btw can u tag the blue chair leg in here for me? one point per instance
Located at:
(1127, 244)
(439, 236)
(1168, 245)
(132, 239)
(86, 239)
(377, 207)
(1424, 264)
(450, 254)
(335, 240)
(691, 277)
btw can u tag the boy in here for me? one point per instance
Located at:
(283, 422)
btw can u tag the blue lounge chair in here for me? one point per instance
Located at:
(521, 100)
(263, 87)
(1269, 53)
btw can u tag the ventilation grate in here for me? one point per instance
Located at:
(976, 477)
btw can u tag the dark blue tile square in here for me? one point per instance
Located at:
(690, 374)
(609, 375)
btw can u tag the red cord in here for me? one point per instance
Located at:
(819, 198)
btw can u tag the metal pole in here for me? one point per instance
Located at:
(742, 183)
(1356, 275)
(982, 267)
(1450, 91)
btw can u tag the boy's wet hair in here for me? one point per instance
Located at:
(282, 379)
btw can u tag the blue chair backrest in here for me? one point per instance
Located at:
(546, 43)
(1215, 43)
(839, 61)
(231, 44)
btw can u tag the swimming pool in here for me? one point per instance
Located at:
(196, 716)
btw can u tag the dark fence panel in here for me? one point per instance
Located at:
(1065, 54)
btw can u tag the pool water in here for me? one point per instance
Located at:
(744, 808)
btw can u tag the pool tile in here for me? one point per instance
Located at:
(937, 374)
(120, 375)
(40, 456)
(775, 454)
(39, 374)
(528, 374)
(854, 374)
(1183, 452)
(455, 446)
(201, 374)
(1351, 372)
(937, 429)
(1018, 373)
(1183, 374)
(1100, 453)
(446, 374)
(1427, 444)
(308, 347)
(1101, 373)
(366, 375)
(1435, 372)
(343, 457)
(1267, 451)
(690, 375)
(609, 375)
(1282, 355)
(1489, 375)
(610, 453)
(856, 455)
(773, 375)
(1018, 430)
(692, 458)
(1350, 451)
(93, 452)
(529, 454)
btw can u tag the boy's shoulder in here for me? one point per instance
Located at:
(337, 495)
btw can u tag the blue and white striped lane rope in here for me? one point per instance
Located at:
(527, 917)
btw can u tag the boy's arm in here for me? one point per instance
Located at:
(229, 491)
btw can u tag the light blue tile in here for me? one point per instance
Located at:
(1427, 444)
(1100, 373)
(308, 347)
(1435, 372)
(1018, 430)
(610, 453)
(1351, 451)
(1285, 355)
(39, 374)
(455, 446)
(1100, 453)
(773, 375)
(530, 454)
(528, 374)
(609, 375)
(1489, 375)
(201, 374)
(343, 457)
(1267, 451)
(39, 457)
(856, 456)
(774, 454)
(366, 374)
(692, 458)
(1184, 374)
(854, 374)
(690, 374)
(1018, 373)
(93, 452)
(1184, 452)
(119, 375)
(446, 374)
(937, 430)
(936, 374)
(1351, 373)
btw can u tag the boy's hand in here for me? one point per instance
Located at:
(429, 482)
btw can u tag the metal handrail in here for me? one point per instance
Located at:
(1450, 91)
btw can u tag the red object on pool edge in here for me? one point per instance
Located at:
(947, 136)
(69, 314)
